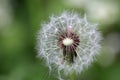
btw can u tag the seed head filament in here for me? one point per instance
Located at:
(68, 42)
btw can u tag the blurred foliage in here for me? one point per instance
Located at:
(19, 24)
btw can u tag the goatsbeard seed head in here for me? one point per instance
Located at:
(68, 38)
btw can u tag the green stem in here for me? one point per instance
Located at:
(72, 76)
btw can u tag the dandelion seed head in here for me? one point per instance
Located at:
(69, 42)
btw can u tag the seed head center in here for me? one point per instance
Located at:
(67, 41)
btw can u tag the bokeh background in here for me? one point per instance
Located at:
(20, 21)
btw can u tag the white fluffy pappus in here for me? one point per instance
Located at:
(88, 48)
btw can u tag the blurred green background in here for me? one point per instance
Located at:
(20, 21)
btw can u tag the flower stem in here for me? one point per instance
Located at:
(71, 75)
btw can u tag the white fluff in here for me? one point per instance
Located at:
(89, 42)
(68, 41)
